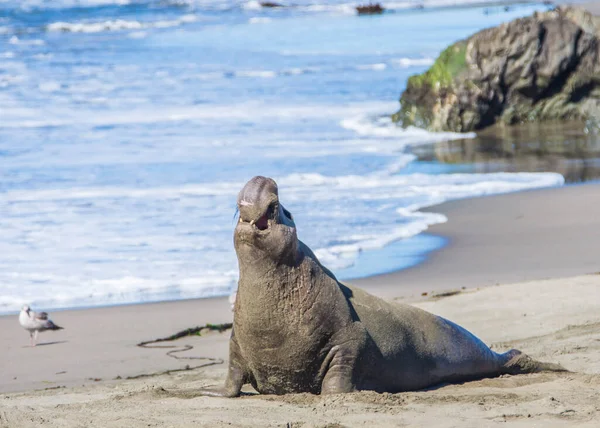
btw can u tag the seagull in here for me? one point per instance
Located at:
(34, 322)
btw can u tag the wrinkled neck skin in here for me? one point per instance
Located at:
(268, 277)
(255, 263)
(275, 267)
(263, 274)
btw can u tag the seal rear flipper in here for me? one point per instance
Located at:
(237, 373)
(520, 363)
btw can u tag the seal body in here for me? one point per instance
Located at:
(297, 329)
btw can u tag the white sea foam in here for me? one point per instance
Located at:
(256, 73)
(218, 189)
(60, 4)
(95, 27)
(428, 190)
(411, 4)
(343, 8)
(308, 7)
(259, 74)
(76, 292)
(10, 79)
(82, 230)
(49, 86)
(14, 40)
(252, 5)
(375, 67)
(259, 20)
(43, 56)
(251, 110)
(413, 62)
(117, 25)
(384, 127)
(342, 256)
(297, 71)
(137, 34)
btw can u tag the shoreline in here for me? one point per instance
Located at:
(443, 232)
(424, 251)
(486, 234)
(100, 342)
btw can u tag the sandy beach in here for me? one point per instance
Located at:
(520, 270)
(505, 239)
(79, 377)
(555, 320)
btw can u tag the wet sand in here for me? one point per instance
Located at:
(547, 233)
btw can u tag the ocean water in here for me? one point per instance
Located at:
(128, 127)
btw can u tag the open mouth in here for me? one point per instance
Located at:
(263, 222)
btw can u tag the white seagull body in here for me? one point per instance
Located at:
(34, 322)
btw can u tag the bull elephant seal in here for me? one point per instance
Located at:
(297, 329)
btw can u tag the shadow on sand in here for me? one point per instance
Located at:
(46, 344)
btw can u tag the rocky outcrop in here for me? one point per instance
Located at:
(543, 67)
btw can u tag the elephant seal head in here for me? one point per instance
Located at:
(265, 232)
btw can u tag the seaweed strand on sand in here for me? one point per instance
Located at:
(195, 331)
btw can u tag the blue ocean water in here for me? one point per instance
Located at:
(128, 127)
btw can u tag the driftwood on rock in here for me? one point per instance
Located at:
(542, 67)
(369, 9)
(270, 4)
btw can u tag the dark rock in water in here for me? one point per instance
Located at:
(370, 9)
(543, 67)
(270, 4)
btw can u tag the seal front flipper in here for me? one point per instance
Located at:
(233, 385)
(236, 375)
(338, 368)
